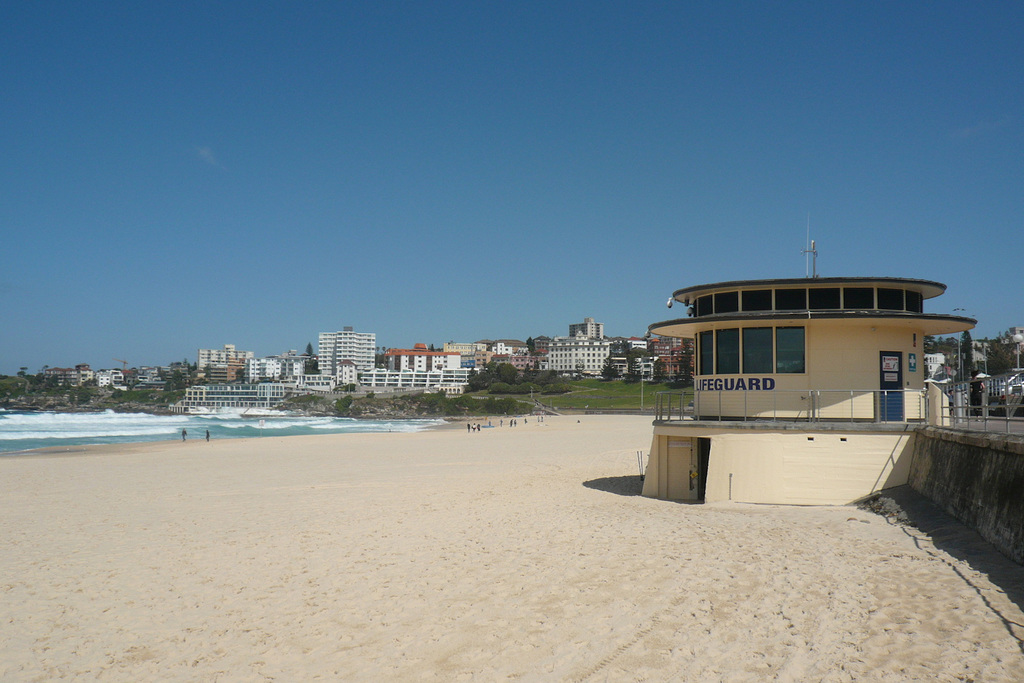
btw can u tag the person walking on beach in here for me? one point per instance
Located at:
(207, 434)
(183, 434)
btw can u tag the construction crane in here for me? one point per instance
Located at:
(124, 362)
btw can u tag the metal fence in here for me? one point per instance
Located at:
(816, 405)
(995, 405)
(998, 407)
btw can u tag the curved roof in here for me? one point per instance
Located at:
(927, 288)
(925, 323)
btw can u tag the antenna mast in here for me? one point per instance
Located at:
(812, 250)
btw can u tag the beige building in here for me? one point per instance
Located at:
(804, 390)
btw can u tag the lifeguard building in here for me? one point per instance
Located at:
(806, 391)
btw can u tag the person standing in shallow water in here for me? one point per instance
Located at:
(183, 434)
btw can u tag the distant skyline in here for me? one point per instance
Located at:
(176, 176)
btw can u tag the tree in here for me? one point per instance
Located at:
(309, 349)
(1001, 354)
(177, 381)
(632, 368)
(608, 370)
(507, 373)
(312, 366)
(660, 375)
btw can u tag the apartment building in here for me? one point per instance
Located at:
(577, 354)
(287, 367)
(452, 380)
(588, 328)
(421, 359)
(467, 350)
(358, 347)
(229, 354)
(110, 378)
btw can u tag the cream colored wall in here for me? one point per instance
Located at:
(782, 467)
(844, 354)
(806, 469)
(669, 466)
(841, 355)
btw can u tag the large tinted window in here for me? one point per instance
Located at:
(859, 298)
(727, 352)
(706, 341)
(827, 297)
(890, 299)
(704, 305)
(915, 302)
(790, 299)
(757, 300)
(727, 302)
(757, 349)
(789, 349)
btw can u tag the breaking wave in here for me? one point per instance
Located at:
(21, 431)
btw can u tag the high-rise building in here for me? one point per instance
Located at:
(358, 347)
(588, 328)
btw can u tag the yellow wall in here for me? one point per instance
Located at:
(841, 355)
(844, 354)
(674, 459)
(793, 467)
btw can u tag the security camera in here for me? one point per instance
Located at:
(669, 302)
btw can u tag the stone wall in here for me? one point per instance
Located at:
(977, 478)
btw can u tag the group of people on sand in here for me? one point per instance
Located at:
(184, 434)
(513, 422)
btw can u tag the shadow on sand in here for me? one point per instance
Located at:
(622, 486)
(963, 543)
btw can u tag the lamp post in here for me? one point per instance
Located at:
(960, 351)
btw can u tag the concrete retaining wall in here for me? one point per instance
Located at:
(977, 478)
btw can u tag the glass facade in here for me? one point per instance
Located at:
(763, 350)
(810, 298)
(789, 350)
(858, 298)
(707, 353)
(727, 352)
(757, 350)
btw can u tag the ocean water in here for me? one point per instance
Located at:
(21, 431)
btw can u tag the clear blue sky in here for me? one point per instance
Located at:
(180, 175)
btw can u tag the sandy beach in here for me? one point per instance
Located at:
(511, 553)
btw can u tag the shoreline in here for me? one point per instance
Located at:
(438, 424)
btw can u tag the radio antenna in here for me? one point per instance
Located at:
(810, 252)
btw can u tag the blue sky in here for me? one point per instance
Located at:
(183, 175)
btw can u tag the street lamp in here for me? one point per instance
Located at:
(960, 352)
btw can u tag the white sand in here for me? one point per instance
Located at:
(447, 556)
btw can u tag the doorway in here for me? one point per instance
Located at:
(703, 458)
(890, 381)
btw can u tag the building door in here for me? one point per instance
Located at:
(890, 375)
(703, 458)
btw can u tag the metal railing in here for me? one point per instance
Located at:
(815, 405)
(997, 407)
